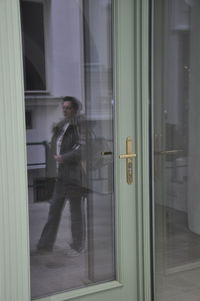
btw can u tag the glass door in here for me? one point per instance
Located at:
(176, 169)
(69, 106)
(70, 84)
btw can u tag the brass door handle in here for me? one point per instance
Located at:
(129, 160)
(169, 152)
(126, 156)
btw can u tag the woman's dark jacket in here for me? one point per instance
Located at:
(71, 150)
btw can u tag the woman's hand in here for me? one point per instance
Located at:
(58, 158)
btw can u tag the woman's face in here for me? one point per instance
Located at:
(68, 110)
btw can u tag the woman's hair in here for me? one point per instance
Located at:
(75, 102)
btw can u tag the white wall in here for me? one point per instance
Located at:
(64, 48)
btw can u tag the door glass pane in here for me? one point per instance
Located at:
(176, 145)
(67, 54)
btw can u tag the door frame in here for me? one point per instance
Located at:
(14, 252)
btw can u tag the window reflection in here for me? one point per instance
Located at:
(34, 45)
(176, 143)
(68, 100)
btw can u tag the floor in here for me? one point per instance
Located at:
(182, 245)
(62, 271)
(182, 286)
(178, 261)
(178, 256)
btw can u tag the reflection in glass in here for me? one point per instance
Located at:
(69, 125)
(176, 73)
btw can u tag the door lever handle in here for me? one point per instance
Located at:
(169, 152)
(129, 160)
(126, 156)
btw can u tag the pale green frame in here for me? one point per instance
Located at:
(14, 247)
(142, 102)
(14, 252)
